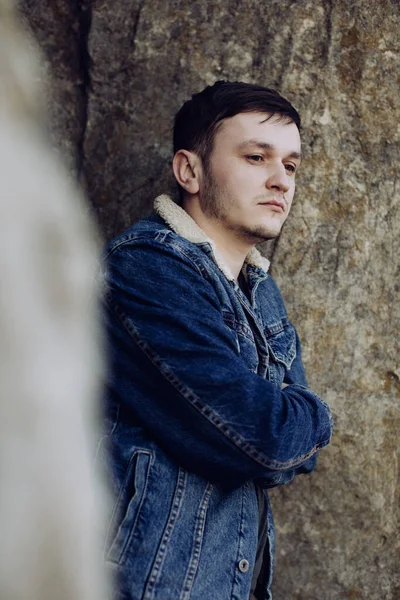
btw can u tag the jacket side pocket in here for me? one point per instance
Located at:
(128, 505)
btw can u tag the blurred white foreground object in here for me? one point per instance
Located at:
(50, 502)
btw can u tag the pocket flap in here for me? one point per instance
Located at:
(281, 339)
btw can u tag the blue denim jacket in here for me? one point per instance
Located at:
(196, 417)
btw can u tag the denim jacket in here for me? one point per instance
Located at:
(195, 416)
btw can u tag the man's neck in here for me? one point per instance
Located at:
(231, 248)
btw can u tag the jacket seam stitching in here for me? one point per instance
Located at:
(237, 325)
(169, 527)
(198, 542)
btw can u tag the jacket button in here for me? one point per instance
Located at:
(244, 565)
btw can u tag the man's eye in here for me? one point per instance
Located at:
(255, 157)
(291, 168)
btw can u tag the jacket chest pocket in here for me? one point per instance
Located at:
(128, 505)
(245, 343)
(281, 340)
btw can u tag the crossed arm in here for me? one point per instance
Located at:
(179, 374)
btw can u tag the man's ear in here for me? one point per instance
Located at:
(187, 166)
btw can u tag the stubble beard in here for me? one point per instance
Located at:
(216, 203)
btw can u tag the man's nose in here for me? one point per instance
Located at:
(278, 179)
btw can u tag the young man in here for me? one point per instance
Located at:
(208, 404)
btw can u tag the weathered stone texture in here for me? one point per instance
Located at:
(61, 29)
(337, 260)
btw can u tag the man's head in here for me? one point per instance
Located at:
(237, 147)
(198, 120)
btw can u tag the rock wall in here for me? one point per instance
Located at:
(121, 70)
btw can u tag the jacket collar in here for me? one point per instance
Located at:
(183, 224)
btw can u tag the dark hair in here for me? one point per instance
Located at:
(197, 121)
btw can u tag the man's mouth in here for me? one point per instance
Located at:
(276, 205)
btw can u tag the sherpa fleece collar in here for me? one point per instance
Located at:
(183, 224)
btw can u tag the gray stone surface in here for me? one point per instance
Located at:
(58, 27)
(119, 83)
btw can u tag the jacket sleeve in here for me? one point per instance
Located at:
(178, 370)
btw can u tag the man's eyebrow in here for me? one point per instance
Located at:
(270, 147)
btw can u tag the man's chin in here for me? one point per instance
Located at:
(259, 234)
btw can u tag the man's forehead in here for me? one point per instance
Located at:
(252, 127)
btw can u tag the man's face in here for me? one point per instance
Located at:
(249, 181)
